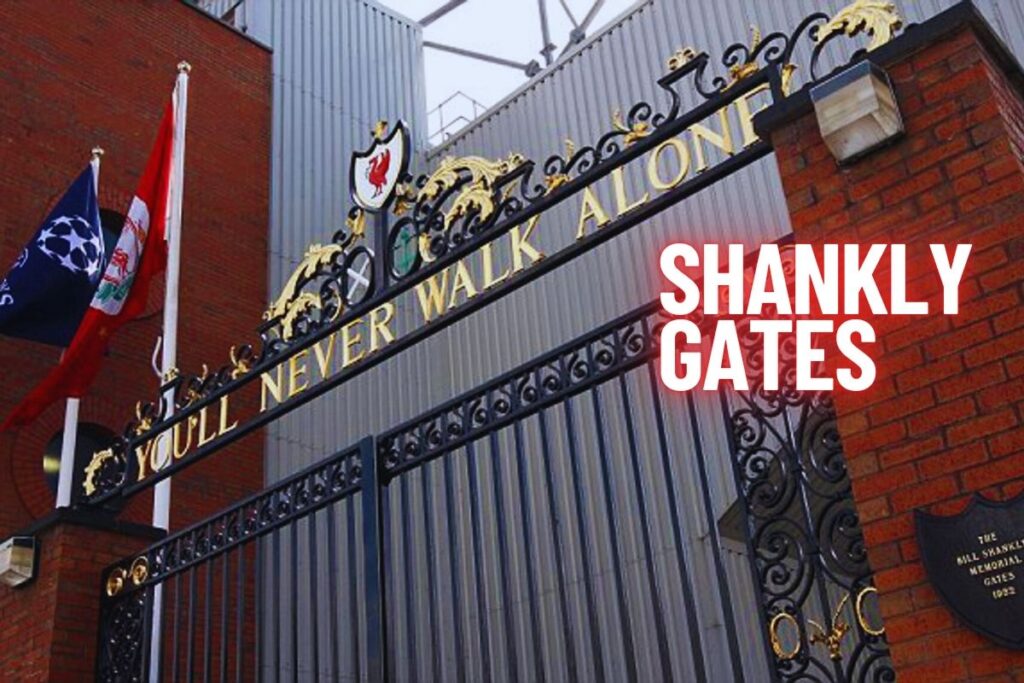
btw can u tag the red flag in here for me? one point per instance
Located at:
(141, 253)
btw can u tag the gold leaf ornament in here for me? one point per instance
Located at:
(239, 364)
(478, 194)
(93, 468)
(738, 72)
(139, 570)
(681, 58)
(877, 18)
(637, 131)
(145, 422)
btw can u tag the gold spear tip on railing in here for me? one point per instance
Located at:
(184, 67)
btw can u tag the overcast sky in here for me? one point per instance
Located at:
(505, 28)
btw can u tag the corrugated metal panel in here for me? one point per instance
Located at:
(574, 99)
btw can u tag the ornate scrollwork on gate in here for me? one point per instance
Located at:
(294, 309)
(121, 641)
(607, 352)
(462, 203)
(803, 526)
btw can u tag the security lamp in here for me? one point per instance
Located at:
(17, 560)
(857, 111)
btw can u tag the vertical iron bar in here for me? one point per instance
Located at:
(435, 627)
(224, 603)
(240, 613)
(259, 575)
(332, 590)
(410, 587)
(275, 601)
(589, 571)
(391, 571)
(478, 541)
(190, 660)
(504, 586)
(755, 574)
(177, 625)
(556, 532)
(293, 547)
(147, 630)
(376, 624)
(625, 623)
(353, 590)
(525, 519)
(381, 256)
(716, 544)
(669, 474)
(207, 616)
(454, 573)
(314, 604)
(645, 532)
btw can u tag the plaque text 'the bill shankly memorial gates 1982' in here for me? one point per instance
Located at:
(597, 512)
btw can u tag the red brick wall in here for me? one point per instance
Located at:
(49, 626)
(944, 419)
(78, 74)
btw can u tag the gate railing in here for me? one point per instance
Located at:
(177, 578)
(575, 460)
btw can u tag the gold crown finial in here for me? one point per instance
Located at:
(184, 67)
(97, 152)
(380, 129)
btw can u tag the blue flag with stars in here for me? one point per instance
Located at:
(49, 286)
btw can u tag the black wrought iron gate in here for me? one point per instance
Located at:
(568, 521)
(624, 553)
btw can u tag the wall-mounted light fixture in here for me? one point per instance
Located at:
(17, 560)
(857, 111)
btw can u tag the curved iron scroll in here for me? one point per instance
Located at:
(805, 538)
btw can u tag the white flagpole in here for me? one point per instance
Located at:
(66, 474)
(169, 357)
(172, 232)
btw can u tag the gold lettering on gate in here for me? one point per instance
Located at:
(683, 156)
(488, 257)
(622, 205)
(188, 425)
(722, 141)
(590, 209)
(323, 357)
(271, 386)
(520, 245)
(462, 281)
(349, 339)
(667, 166)
(747, 115)
(431, 295)
(379, 326)
(298, 380)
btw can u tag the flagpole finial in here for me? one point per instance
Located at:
(97, 152)
(184, 67)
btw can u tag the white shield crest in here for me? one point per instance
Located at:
(375, 172)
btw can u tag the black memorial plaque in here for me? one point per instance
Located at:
(975, 561)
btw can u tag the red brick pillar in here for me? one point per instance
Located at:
(944, 418)
(48, 627)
